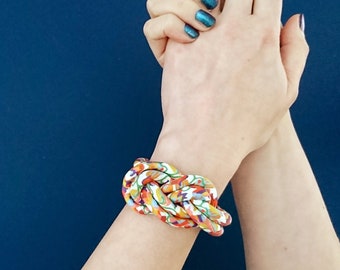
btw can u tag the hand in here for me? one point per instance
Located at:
(176, 19)
(230, 97)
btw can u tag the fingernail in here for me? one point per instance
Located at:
(210, 4)
(302, 22)
(191, 32)
(205, 18)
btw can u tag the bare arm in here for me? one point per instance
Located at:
(143, 242)
(285, 224)
(241, 90)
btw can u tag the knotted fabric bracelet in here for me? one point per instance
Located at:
(184, 201)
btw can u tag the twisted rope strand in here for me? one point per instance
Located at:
(184, 201)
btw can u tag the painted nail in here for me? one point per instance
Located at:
(191, 32)
(205, 18)
(210, 4)
(302, 22)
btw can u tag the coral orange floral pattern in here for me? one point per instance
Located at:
(184, 201)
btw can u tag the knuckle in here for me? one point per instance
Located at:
(229, 32)
(268, 33)
(150, 6)
(303, 47)
(293, 93)
(269, 36)
(306, 46)
(181, 4)
(169, 21)
(147, 28)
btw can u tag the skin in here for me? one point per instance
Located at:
(279, 173)
(284, 221)
(232, 95)
(168, 18)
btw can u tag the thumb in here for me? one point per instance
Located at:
(294, 50)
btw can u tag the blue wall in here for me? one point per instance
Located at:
(77, 81)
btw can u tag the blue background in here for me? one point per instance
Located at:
(79, 100)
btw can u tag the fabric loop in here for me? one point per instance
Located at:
(184, 201)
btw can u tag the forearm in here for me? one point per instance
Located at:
(142, 242)
(285, 224)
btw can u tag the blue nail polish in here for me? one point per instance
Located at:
(210, 4)
(205, 18)
(191, 32)
(302, 22)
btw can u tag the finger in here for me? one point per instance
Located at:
(160, 29)
(188, 11)
(209, 3)
(294, 52)
(270, 9)
(243, 7)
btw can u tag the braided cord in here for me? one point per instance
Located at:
(184, 201)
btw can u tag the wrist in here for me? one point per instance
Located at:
(284, 134)
(197, 157)
(280, 149)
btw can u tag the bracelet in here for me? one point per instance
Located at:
(184, 201)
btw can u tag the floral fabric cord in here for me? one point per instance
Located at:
(184, 201)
